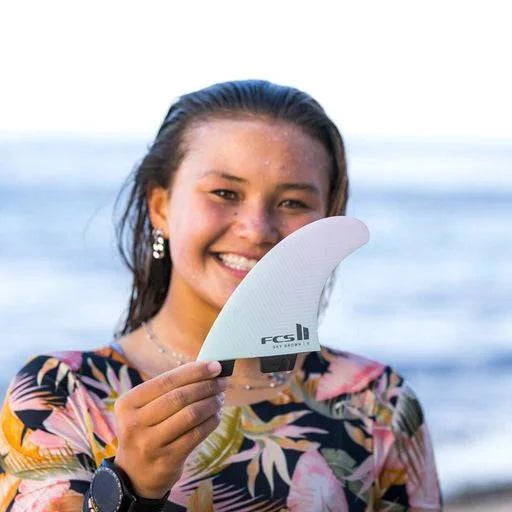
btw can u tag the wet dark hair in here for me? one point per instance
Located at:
(231, 100)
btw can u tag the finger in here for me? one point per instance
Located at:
(177, 399)
(181, 447)
(181, 376)
(187, 419)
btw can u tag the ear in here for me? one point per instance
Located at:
(158, 199)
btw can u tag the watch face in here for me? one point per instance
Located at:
(106, 490)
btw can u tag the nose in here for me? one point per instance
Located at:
(257, 225)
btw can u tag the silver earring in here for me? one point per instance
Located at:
(158, 244)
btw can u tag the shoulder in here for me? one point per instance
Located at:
(78, 363)
(75, 360)
(53, 367)
(341, 375)
(60, 380)
(341, 372)
(62, 402)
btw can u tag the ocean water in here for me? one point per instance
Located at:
(430, 294)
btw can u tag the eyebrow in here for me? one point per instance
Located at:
(308, 187)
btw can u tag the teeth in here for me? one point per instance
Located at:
(237, 262)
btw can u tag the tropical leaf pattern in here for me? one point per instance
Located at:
(346, 435)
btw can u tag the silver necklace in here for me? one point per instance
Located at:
(276, 378)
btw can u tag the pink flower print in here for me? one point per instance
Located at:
(41, 496)
(78, 423)
(71, 358)
(424, 490)
(346, 373)
(315, 487)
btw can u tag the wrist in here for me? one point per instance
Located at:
(112, 491)
(142, 490)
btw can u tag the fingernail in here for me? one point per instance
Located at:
(214, 367)
(221, 397)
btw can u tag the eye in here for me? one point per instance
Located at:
(223, 193)
(294, 204)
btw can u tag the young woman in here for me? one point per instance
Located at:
(234, 169)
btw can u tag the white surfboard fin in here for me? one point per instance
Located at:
(273, 313)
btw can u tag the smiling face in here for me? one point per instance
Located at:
(243, 186)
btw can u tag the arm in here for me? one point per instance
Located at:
(51, 433)
(408, 474)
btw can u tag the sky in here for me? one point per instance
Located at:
(385, 69)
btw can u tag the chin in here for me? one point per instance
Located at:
(220, 302)
(215, 300)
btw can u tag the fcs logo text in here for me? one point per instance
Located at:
(302, 333)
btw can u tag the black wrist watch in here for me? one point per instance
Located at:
(112, 491)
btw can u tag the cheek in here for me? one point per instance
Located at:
(292, 223)
(193, 229)
(207, 221)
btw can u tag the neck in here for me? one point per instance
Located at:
(184, 320)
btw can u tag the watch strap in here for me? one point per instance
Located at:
(140, 504)
(131, 502)
(149, 505)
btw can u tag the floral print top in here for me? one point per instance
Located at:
(346, 435)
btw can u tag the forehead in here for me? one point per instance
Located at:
(254, 144)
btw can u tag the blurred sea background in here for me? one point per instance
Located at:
(430, 294)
